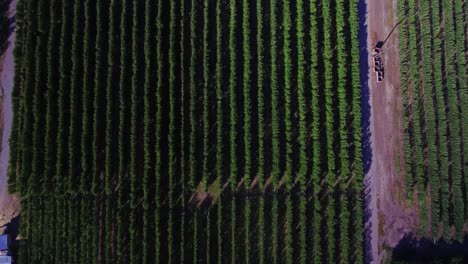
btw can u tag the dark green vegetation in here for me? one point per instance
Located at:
(188, 131)
(433, 45)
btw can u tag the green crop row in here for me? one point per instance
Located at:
(316, 149)
(431, 116)
(220, 113)
(98, 101)
(52, 84)
(330, 175)
(302, 98)
(343, 106)
(287, 94)
(86, 99)
(134, 245)
(35, 182)
(123, 125)
(275, 151)
(74, 126)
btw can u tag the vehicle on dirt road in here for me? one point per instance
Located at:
(377, 62)
(5, 249)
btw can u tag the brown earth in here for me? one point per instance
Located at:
(9, 204)
(392, 216)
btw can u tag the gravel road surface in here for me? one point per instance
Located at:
(391, 216)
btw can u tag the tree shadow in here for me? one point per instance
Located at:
(424, 250)
(365, 94)
(365, 123)
(7, 25)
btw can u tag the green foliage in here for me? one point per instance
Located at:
(329, 97)
(301, 75)
(274, 95)
(286, 28)
(111, 102)
(125, 31)
(288, 230)
(25, 137)
(357, 187)
(85, 233)
(170, 131)
(15, 149)
(274, 233)
(99, 102)
(260, 93)
(344, 142)
(462, 76)
(316, 152)
(247, 231)
(183, 121)
(232, 95)
(51, 103)
(261, 230)
(206, 87)
(431, 120)
(247, 72)
(134, 125)
(37, 169)
(220, 112)
(87, 99)
(72, 182)
(192, 94)
(433, 113)
(415, 109)
(63, 99)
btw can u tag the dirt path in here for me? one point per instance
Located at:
(9, 204)
(391, 216)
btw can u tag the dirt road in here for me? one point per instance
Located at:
(9, 204)
(391, 216)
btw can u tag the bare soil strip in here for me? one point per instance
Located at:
(9, 204)
(391, 216)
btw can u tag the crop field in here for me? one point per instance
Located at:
(196, 131)
(433, 43)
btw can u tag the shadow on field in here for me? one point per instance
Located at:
(7, 25)
(365, 121)
(365, 94)
(409, 249)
